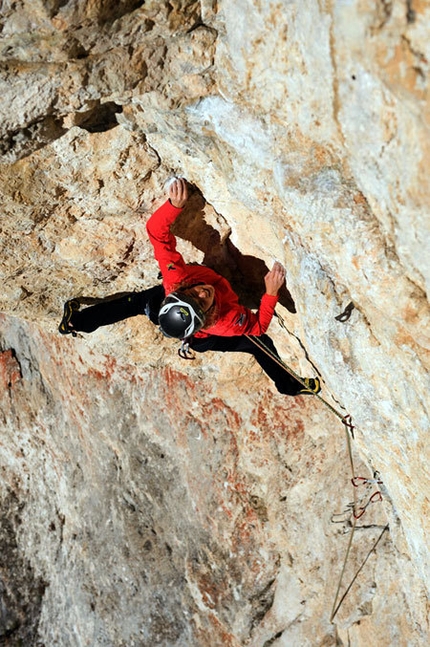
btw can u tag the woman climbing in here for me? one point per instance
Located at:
(194, 304)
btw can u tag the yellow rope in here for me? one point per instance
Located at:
(260, 344)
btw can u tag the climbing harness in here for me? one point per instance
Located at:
(356, 508)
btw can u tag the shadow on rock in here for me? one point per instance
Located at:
(245, 273)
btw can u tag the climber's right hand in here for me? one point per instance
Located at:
(178, 193)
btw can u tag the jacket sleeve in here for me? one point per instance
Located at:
(257, 323)
(170, 261)
(265, 313)
(237, 320)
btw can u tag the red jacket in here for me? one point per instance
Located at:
(232, 318)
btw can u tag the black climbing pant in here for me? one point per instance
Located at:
(284, 382)
(148, 303)
(111, 310)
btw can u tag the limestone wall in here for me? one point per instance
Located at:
(151, 501)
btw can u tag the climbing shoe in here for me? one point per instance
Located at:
(312, 385)
(69, 308)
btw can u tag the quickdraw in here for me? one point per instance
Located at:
(346, 313)
(185, 352)
(376, 496)
(356, 509)
(363, 480)
(347, 421)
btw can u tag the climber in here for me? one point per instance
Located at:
(194, 303)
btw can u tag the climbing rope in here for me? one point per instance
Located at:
(345, 419)
(356, 509)
(336, 608)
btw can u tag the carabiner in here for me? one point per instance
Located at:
(184, 351)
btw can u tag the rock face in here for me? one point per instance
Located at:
(148, 501)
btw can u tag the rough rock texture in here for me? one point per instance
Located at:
(148, 501)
